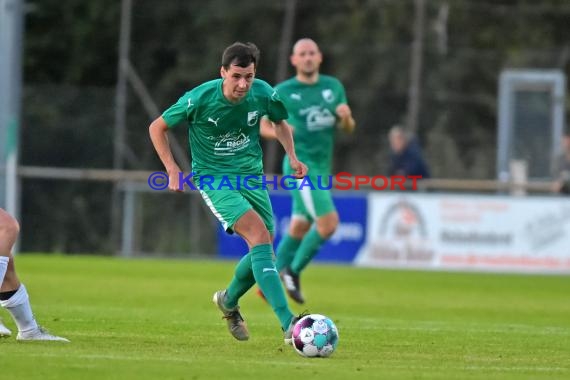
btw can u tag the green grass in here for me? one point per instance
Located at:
(153, 319)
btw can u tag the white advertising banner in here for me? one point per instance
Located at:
(499, 233)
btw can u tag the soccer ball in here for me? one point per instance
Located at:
(315, 335)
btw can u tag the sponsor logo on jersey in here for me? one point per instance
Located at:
(318, 118)
(215, 122)
(230, 143)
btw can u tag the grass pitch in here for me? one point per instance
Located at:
(154, 319)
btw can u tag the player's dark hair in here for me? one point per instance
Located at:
(241, 55)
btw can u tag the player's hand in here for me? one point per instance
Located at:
(300, 170)
(346, 121)
(174, 180)
(343, 111)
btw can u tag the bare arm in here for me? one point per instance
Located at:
(158, 130)
(346, 121)
(284, 134)
(267, 129)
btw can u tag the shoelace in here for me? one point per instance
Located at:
(298, 317)
(44, 331)
(234, 316)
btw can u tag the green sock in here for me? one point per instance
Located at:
(241, 282)
(286, 251)
(268, 280)
(309, 247)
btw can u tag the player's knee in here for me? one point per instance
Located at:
(327, 225)
(260, 236)
(9, 227)
(299, 228)
(326, 231)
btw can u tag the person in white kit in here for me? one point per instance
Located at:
(13, 295)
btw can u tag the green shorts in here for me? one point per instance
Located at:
(310, 204)
(229, 200)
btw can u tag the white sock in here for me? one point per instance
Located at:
(3, 267)
(19, 307)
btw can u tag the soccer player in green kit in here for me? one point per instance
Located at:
(222, 117)
(317, 106)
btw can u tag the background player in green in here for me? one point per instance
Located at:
(222, 117)
(317, 105)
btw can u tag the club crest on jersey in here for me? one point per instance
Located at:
(328, 95)
(252, 118)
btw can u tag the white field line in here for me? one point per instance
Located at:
(287, 363)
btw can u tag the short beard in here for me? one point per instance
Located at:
(309, 73)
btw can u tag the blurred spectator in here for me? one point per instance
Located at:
(405, 156)
(562, 168)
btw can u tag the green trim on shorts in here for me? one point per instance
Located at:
(312, 204)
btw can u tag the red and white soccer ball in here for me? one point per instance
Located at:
(315, 335)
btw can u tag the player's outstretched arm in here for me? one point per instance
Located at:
(284, 134)
(267, 129)
(346, 122)
(158, 131)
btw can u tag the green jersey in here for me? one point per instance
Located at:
(224, 136)
(312, 113)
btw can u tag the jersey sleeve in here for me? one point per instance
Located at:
(180, 111)
(341, 94)
(276, 110)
